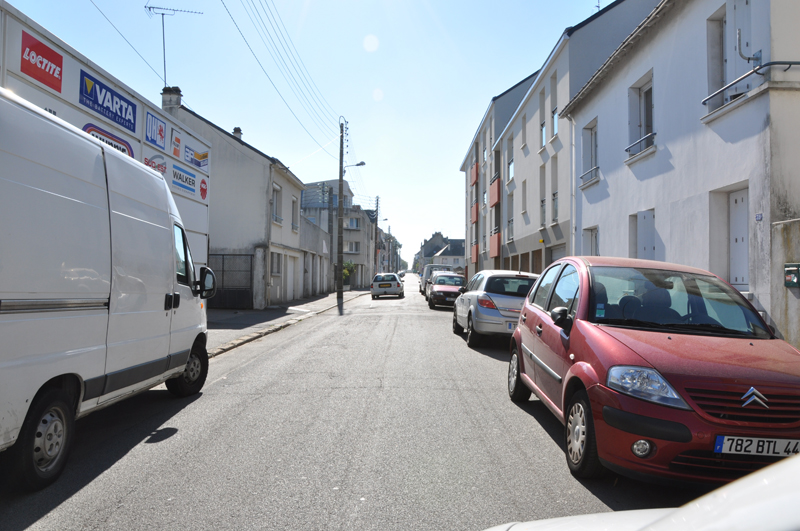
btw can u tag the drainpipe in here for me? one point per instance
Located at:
(268, 269)
(573, 173)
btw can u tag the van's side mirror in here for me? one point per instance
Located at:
(207, 284)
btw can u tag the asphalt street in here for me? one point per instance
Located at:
(373, 417)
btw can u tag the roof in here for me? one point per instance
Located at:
(622, 50)
(230, 136)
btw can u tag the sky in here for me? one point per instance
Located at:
(412, 78)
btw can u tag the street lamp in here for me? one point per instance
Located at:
(340, 225)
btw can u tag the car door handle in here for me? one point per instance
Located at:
(176, 300)
(524, 317)
(538, 330)
(168, 301)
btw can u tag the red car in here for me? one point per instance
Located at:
(444, 289)
(656, 370)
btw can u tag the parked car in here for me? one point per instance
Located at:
(432, 279)
(99, 298)
(764, 500)
(427, 271)
(444, 289)
(490, 303)
(386, 284)
(656, 370)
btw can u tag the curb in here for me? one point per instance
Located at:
(271, 329)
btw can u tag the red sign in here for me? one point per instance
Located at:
(203, 189)
(41, 62)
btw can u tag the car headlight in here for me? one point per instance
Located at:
(644, 383)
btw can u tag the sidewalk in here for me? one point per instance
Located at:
(227, 329)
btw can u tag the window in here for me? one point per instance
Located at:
(524, 135)
(543, 290)
(554, 104)
(542, 120)
(641, 115)
(590, 169)
(353, 223)
(510, 159)
(542, 197)
(276, 204)
(524, 196)
(590, 242)
(353, 247)
(554, 187)
(295, 215)
(184, 267)
(566, 291)
(717, 57)
(275, 261)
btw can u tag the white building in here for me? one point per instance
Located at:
(532, 154)
(254, 231)
(668, 167)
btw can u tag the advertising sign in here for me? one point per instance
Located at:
(184, 180)
(109, 138)
(155, 131)
(176, 143)
(105, 101)
(41, 62)
(198, 160)
(157, 161)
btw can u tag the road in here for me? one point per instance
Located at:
(378, 418)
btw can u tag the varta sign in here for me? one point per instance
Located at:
(106, 102)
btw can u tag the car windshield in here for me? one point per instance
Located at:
(512, 286)
(449, 281)
(672, 300)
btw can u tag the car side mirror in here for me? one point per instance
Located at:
(462, 289)
(561, 318)
(207, 284)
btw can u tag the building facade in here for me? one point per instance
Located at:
(694, 161)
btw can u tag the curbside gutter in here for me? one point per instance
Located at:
(271, 329)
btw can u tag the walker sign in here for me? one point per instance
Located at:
(184, 180)
(106, 102)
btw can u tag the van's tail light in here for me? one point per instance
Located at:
(484, 301)
(371, 286)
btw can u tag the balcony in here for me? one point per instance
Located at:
(495, 241)
(473, 176)
(473, 215)
(494, 190)
(473, 255)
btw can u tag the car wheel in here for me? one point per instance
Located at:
(457, 328)
(44, 442)
(431, 305)
(580, 438)
(472, 335)
(373, 297)
(517, 390)
(191, 380)
(402, 295)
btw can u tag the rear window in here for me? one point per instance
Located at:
(512, 286)
(449, 281)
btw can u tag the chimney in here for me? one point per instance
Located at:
(170, 97)
(237, 132)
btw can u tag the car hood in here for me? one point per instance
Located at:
(689, 357)
(446, 289)
(618, 521)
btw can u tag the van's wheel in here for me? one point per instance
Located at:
(44, 442)
(472, 336)
(457, 328)
(517, 390)
(580, 439)
(194, 375)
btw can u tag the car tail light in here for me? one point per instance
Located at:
(371, 286)
(484, 301)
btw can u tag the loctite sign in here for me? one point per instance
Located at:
(41, 62)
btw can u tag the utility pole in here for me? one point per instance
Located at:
(330, 222)
(340, 228)
(377, 217)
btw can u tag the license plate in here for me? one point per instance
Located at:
(512, 325)
(450, 299)
(384, 285)
(725, 444)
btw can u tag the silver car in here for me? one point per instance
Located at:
(386, 284)
(490, 303)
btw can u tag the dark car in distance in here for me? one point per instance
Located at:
(656, 370)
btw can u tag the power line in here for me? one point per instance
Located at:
(271, 82)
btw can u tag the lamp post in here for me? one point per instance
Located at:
(340, 228)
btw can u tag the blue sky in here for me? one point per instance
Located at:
(413, 78)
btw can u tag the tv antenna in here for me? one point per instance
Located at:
(153, 10)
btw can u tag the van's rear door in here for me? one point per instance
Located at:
(143, 262)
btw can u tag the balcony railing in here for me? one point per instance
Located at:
(484, 197)
(276, 218)
(495, 177)
(589, 175)
(543, 212)
(635, 148)
(555, 207)
(295, 227)
(495, 230)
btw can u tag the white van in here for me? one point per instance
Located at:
(98, 296)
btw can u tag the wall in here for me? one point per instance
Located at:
(786, 301)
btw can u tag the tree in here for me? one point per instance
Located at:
(347, 269)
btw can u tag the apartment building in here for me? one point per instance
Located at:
(685, 147)
(320, 205)
(518, 168)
